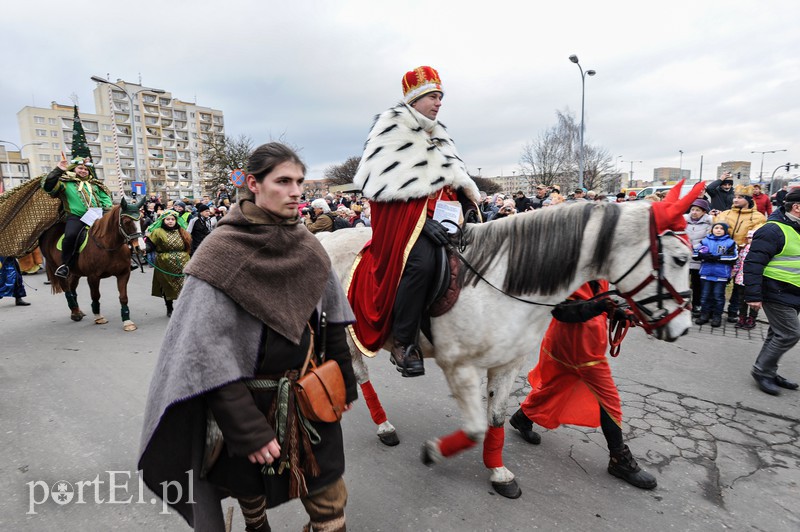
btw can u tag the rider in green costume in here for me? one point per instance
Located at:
(78, 190)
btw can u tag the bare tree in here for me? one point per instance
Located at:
(550, 159)
(599, 173)
(486, 185)
(225, 155)
(342, 174)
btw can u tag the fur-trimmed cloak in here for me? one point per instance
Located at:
(408, 160)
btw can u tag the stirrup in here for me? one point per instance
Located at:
(406, 366)
(62, 271)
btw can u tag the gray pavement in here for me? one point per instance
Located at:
(726, 455)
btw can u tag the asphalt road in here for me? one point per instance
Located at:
(726, 455)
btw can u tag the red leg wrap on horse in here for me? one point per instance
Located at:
(455, 443)
(493, 447)
(373, 403)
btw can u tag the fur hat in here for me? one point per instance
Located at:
(419, 82)
(793, 196)
(703, 204)
(743, 190)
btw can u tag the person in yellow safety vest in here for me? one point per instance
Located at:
(772, 282)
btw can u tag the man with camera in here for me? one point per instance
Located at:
(317, 218)
(721, 194)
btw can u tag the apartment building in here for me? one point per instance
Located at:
(739, 169)
(14, 169)
(136, 129)
(668, 174)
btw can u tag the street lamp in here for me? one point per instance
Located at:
(680, 166)
(574, 59)
(761, 172)
(631, 176)
(19, 149)
(130, 96)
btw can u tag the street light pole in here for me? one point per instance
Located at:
(574, 59)
(761, 172)
(130, 96)
(680, 166)
(630, 185)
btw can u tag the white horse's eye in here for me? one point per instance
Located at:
(680, 261)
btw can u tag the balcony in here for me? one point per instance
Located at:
(153, 143)
(204, 117)
(164, 102)
(166, 113)
(118, 95)
(148, 98)
(151, 120)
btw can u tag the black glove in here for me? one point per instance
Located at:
(708, 257)
(579, 311)
(435, 232)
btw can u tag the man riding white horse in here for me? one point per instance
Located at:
(409, 164)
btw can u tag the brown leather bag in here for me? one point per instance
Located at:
(320, 390)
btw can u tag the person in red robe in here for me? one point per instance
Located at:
(409, 165)
(572, 383)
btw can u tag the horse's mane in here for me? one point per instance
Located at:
(541, 248)
(107, 225)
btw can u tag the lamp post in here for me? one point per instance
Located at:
(19, 149)
(630, 184)
(574, 59)
(130, 96)
(761, 171)
(680, 166)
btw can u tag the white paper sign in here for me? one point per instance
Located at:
(448, 210)
(92, 215)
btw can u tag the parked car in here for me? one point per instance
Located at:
(685, 189)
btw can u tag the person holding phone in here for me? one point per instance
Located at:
(720, 193)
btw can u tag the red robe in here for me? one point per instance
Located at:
(376, 273)
(573, 374)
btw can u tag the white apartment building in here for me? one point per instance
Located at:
(167, 135)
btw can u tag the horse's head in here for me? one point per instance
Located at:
(655, 281)
(129, 224)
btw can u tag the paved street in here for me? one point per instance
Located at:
(726, 455)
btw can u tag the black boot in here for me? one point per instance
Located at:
(703, 319)
(623, 465)
(22, 303)
(716, 321)
(525, 427)
(169, 307)
(408, 359)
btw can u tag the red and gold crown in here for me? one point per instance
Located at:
(421, 81)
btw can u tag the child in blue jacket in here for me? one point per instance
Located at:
(717, 254)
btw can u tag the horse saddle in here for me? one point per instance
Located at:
(83, 238)
(447, 287)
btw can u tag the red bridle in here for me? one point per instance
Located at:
(645, 317)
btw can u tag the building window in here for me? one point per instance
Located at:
(56, 145)
(106, 127)
(107, 138)
(38, 119)
(44, 168)
(54, 134)
(52, 121)
(44, 157)
(41, 132)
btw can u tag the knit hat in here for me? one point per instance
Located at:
(724, 226)
(179, 204)
(419, 82)
(703, 204)
(201, 207)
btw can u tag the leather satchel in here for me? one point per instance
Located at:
(320, 389)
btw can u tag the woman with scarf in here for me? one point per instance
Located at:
(170, 241)
(225, 371)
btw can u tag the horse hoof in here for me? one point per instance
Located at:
(430, 454)
(509, 490)
(128, 327)
(76, 317)
(100, 321)
(389, 438)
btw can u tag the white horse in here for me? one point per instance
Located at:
(536, 260)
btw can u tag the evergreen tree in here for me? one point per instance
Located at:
(79, 146)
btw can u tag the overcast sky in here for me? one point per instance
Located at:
(712, 78)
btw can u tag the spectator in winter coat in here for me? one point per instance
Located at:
(741, 219)
(698, 226)
(717, 254)
(762, 202)
(721, 193)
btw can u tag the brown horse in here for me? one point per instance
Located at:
(108, 250)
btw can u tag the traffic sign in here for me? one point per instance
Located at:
(139, 188)
(237, 178)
